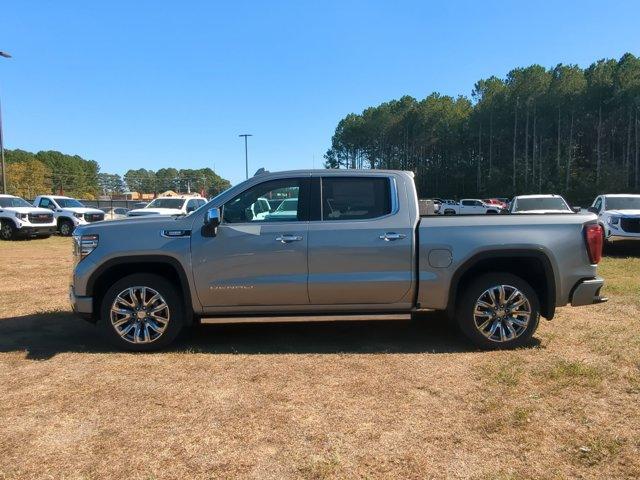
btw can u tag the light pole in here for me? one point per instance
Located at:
(4, 176)
(246, 154)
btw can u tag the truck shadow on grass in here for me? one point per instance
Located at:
(622, 248)
(42, 336)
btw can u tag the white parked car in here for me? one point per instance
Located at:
(619, 215)
(18, 218)
(169, 206)
(114, 213)
(468, 206)
(539, 204)
(68, 212)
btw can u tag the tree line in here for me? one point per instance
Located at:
(30, 174)
(561, 130)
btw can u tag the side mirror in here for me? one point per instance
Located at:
(211, 222)
(593, 210)
(576, 209)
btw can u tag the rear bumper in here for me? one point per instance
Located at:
(587, 292)
(82, 306)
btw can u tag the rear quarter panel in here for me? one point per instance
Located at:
(559, 237)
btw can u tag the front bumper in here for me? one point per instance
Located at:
(82, 306)
(587, 292)
(30, 231)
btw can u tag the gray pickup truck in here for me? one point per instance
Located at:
(331, 242)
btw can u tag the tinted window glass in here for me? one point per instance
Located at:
(166, 203)
(69, 203)
(530, 204)
(623, 203)
(253, 205)
(355, 198)
(13, 202)
(45, 203)
(468, 203)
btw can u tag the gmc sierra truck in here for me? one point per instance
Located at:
(351, 243)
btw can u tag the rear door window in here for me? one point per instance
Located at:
(357, 198)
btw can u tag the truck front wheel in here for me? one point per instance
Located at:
(7, 230)
(141, 312)
(65, 227)
(498, 310)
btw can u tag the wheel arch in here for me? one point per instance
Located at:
(112, 270)
(531, 265)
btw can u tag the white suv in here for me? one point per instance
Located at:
(18, 218)
(619, 215)
(68, 212)
(169, 206)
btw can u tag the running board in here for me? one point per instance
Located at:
(306, 318)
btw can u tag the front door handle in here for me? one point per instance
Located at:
(288, 238)
(391, 236)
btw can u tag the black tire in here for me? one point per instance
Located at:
(65, 227)
(467, 322)
(7, 230)
(168, 293)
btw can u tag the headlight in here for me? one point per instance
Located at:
(613, 220)
(21, 215)
(78, 215)
(83, 245)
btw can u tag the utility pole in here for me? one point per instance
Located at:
(4, 176)
(246, 154)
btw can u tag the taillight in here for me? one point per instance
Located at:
(593, 237)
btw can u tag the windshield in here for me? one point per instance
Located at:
(542, 203)
(623, 203)
(68, 203)
(289, 205)
(167, 203)
(13, 202)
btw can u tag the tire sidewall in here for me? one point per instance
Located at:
(464, 311)
(7, 224)
(68, 223)
(162, 286)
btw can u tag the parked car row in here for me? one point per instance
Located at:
(51, 214)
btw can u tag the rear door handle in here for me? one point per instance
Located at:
(288, 238)
(391, 236)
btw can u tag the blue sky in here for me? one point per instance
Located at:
(159, 84)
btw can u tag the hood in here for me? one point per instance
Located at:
(543, 211)
(129, 225)
(28, 210)
(624, 213)
(82, 210)
(138, 212)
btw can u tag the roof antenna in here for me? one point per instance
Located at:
(260, 171)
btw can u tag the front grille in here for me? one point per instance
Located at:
(631, 225)
(40, 217)
(93, 217)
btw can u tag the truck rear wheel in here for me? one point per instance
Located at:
(498, 310)
(141, 312)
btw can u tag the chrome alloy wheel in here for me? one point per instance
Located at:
(139, 315)
(502, 313)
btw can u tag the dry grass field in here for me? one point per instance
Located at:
(365, 400)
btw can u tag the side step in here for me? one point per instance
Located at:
(307, 318)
